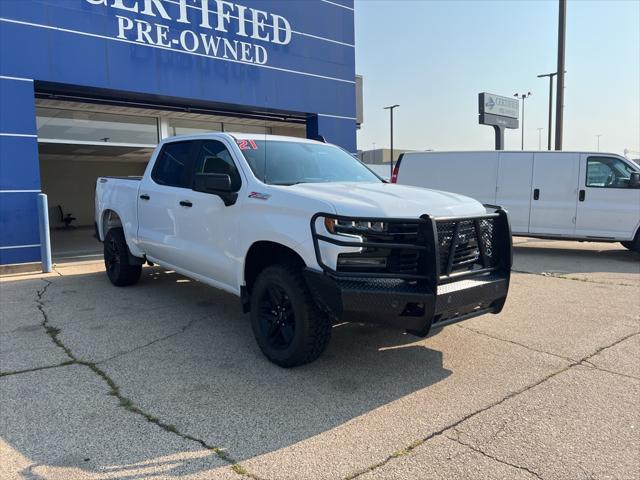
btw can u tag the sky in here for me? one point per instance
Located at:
(434, 57)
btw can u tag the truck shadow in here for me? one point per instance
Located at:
(184, 353)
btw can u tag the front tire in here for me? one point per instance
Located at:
(120, 270)
(288, 326)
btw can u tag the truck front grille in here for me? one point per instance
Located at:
(465, 245)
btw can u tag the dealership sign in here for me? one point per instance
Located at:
(213, 28)
(498, 112)
(498, 105)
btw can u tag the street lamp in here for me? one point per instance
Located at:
(550, 75)
(390, 108)
(540, 138)
(598, 137)
(522, 97)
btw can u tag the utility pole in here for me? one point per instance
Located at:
(550, 75)
(540, 138)
(598, 137)
(562, 23)
(522, 97)
(390, 108)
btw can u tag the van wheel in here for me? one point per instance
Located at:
(289, 328)
(633, 245)
(116, 259)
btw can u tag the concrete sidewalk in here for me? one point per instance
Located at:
(164, 380)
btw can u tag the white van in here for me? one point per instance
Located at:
(569, 195)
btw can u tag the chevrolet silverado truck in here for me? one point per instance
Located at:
(306, 236)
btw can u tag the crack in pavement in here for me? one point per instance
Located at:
(407, 450)
(35, 369)
(568, 359)
(125, 402)
(182, 329)
(575, 279)
(491, 457)
(513, 342)
(593, 366)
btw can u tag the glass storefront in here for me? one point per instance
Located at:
(179, 126)
(95, 127)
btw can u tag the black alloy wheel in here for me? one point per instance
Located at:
(121, 267)
(277, 318)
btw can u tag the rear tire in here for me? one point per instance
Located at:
(288, 326)
(633, 245)
(120, 270)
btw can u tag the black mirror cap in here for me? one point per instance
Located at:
(216, 184)
(212, 183)
(634, 181)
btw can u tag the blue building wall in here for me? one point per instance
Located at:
(164, 49)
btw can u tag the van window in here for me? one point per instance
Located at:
(174, 164)
(213, 157)
(608, 172)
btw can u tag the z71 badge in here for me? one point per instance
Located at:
(259, 196)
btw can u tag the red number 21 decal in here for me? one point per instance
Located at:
(247, 145)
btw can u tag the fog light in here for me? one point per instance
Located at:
(344, 261)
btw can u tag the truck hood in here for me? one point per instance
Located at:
(389, 200)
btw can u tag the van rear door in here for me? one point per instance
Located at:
(607, 206)
(554, 196)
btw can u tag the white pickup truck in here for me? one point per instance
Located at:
(305, 235)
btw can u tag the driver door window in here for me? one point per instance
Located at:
(607, 172)
(214, 157)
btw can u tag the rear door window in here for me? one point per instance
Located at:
(174, 165)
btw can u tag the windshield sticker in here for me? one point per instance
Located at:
(247, 145)
(259, 196)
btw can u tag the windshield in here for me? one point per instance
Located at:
(288, 163)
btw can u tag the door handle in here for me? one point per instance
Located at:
(186, 203)
(144, 196)
(581, 195)
(536, 194)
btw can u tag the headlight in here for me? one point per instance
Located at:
(330, 224)
(347, 227)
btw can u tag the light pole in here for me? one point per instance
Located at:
(390, 108)
(540, 138)
(522, 97)
(562, 23)
(550, 75)
(598, 137)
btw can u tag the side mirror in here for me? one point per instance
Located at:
(217, 184)
(634, 181)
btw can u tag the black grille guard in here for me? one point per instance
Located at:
(493, 243)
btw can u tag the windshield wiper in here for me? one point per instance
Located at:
(285, 184)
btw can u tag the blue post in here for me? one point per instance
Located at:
(45, 241)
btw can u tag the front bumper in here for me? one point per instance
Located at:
(406, 306)
(430, 298)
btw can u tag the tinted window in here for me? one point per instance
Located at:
(213, 157)
(608, 172)
(173, 167)
(288, 163)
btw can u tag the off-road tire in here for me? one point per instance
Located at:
(117, 256)
(312, 328)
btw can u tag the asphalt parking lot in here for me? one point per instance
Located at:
(164, 380)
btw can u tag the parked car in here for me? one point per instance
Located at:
(305, 235)
(568, 195)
